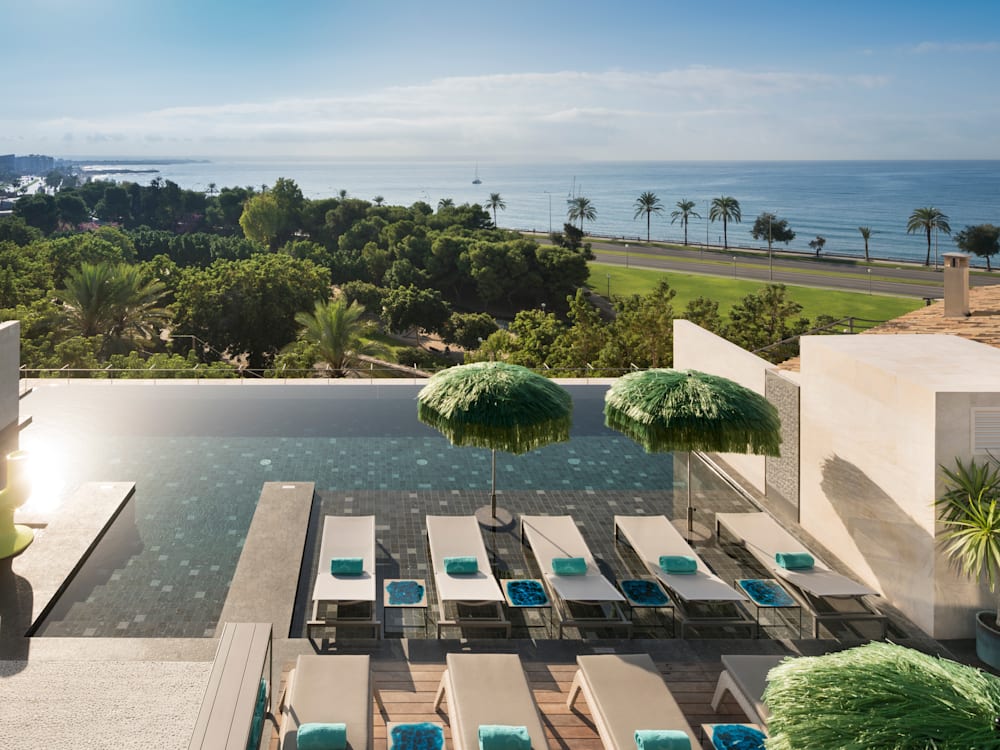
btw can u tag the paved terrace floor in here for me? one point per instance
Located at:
(134, 692)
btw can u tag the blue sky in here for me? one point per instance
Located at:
(518, 80)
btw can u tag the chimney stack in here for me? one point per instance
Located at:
(956, 285)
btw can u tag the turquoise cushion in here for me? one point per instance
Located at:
(461, 565)
(317, 736)
(662, 739)
(569, 566)
(794, 560)
(501, 737)
(347, 566)
(678, 564)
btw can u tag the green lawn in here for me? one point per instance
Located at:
(727, 292)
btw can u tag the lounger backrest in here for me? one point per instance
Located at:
(490, 689)
(346, 536)
(628, 693)
(455, 536)
(335, 688)
(556, 536)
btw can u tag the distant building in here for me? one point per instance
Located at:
(34, 164)
(7, 163)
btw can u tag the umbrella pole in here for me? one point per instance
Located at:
(493, 485)
(690, 510)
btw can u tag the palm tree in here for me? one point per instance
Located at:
(685, 211)
(378, 200)
(581, 208)
(496, 202)
(115, 301)
(727, 209)
(211, 190)
(648, 204)
(449, 203)
(866, 233)
(337, 330)
(927, 219)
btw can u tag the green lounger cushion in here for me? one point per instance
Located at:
(794, 560)
(678, 564)
(502, 737)
(569, 566)
(662, 739)
(347, 566)
(316, 736)
(461, 565)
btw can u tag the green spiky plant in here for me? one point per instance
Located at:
(970, 512)
(884, 696)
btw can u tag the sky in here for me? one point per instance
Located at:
(512, 81)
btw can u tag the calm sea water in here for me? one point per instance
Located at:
(828, 198)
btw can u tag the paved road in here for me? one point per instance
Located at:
(903, 280)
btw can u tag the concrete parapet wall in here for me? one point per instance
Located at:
(10, 363)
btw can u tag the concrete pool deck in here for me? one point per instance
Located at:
(137, 692)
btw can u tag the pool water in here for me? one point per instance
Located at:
(200, 453)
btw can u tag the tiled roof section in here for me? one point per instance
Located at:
(983, 325)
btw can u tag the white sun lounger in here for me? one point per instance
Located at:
(745, 677)
(459, 536)
(558, 536)
(653, 536)
(488, 689)
(346, 536)
(625, 692)
(830, 596)
(329, 689)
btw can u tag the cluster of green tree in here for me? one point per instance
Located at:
(641, 334)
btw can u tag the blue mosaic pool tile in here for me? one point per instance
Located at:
(425, 736)
(737, 737)
(404, 592)
(645, 593)
(527, 594)
(767, 593)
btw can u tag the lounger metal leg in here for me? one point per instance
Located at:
(574, 690)
(439, 695)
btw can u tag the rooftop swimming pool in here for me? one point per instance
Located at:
(200, 453)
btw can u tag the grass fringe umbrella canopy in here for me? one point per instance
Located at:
(496, 405)
(884, 696)
(685, 410)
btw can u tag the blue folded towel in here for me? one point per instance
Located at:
(501, 737)
(347, 566)
(678, 564)
(569, 566)
(316, 736)
(662, 739)
(794, 560)
(461, 565)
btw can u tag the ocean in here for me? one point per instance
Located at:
(828, 198)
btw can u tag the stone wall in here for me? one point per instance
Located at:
(782, 473)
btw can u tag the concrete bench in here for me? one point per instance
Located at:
(238, 697)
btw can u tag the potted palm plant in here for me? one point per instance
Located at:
(970, 512)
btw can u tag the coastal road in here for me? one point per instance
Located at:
(906, 280)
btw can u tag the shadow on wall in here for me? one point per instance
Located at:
(893, 545)
(16, 600)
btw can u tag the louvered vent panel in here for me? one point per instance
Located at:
(986, 430)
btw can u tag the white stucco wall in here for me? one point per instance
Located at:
(878, 415)
(698, 349)
(10, 362)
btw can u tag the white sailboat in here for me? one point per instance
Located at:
(477, 181)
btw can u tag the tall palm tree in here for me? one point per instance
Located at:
(927, 219)
(580, 208)
(866, 233)
(496, 202)
(211, 189)
(727, 209)
(684, 212)
(115, 301)
(450, 203)
(648, 204)
(337, 330)
(378, 200)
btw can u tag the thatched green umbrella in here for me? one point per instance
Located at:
(881, 695)
(498, 406)
(687, 410)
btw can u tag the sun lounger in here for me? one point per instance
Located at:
(346, 537)
(828, 595)
(654, 536)
(745, 677)
(459, 536)
(553, 537)
(625, 692)
(329, 689)
(488, 689)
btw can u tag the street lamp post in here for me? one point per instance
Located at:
(626, 255)
(869, 280)
(609, 286)
(550, 209)
(770, 262)
(734, 266)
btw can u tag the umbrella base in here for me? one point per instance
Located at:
(503, 520)
(699, 531)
